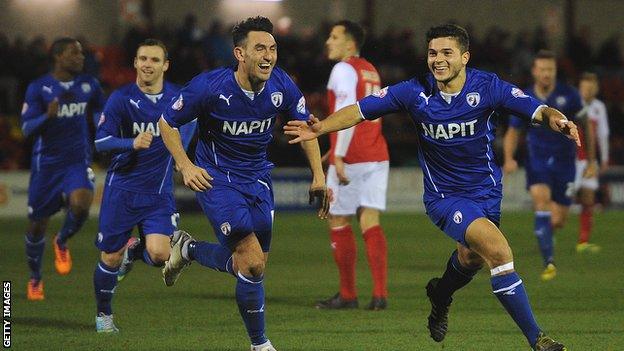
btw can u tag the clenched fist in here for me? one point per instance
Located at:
(142, 141)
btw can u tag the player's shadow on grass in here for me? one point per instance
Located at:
(42, 322)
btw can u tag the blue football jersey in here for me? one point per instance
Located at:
(129, 112)
(65, 139)
(544, 141)
(234, 129)
(455, 139)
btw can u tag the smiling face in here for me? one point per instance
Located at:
(445, 59)
(257, 56)
(71, 59)
(150, 64)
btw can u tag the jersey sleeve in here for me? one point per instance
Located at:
(33, 111)
(343, 82)
(511, 99)
(191, 102)
(108, 136)
(388, 100)
(294, 101)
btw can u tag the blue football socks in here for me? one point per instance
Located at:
(509, 290)
(104, 282)
(215, 256)
(72, 224)
(544, 234)
(34, 254)
(250, 300)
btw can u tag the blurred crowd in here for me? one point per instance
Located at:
(398, 53)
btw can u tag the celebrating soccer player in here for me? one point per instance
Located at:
(587, 185)
(237, 108)
(139, 185)
(358, 171)
(550, 166)
(56, 114)
(453, 108)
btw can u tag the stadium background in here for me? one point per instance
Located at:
(585, 305)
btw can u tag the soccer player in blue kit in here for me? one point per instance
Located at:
(56, 112)
(453, 108)
(550, 166)
(236, 109)
(138, 190)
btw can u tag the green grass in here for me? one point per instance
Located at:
(583, 306)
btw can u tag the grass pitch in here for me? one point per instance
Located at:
(583, 307)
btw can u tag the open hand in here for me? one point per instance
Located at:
(302, 130)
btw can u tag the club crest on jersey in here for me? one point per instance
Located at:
(518, 93)
(86, 88)
(226, 228)
(276, 99)
(561, 101)
(301, 105)
(381, 92)
(458, 217)
(473, 99)
(178, 104)
(102, 119)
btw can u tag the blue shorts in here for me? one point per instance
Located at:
(122, 210)
(235, 210)
(454, 214)
(558, 172)
(50, 188)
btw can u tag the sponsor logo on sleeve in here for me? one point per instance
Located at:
(24, 108)
(226, 228)
(179, 103)
(102, 119)
(518, 93)
(380, 93)
(301, 105)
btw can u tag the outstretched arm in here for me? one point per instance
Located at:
(341, 119)
(557, 121)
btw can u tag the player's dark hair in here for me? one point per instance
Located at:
(545, 54)
(354, 30)
(589, 76)
(59, 45)
(450, 30)
(155, 42)
(251, 24)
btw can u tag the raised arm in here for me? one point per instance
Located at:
(341, 119)
(556, 121)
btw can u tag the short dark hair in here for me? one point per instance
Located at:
(589, 76)
(545, 54)
(155, 42)
(251, 24)
(59, 45)
(450, 30)
(354, 30)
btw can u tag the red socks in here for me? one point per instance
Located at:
(343, 245)
(587, 214)
(377, 254)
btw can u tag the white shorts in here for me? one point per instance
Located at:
(580, 182)
(368, 182)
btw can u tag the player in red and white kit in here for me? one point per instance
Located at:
(587, 186)
(358, 171)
